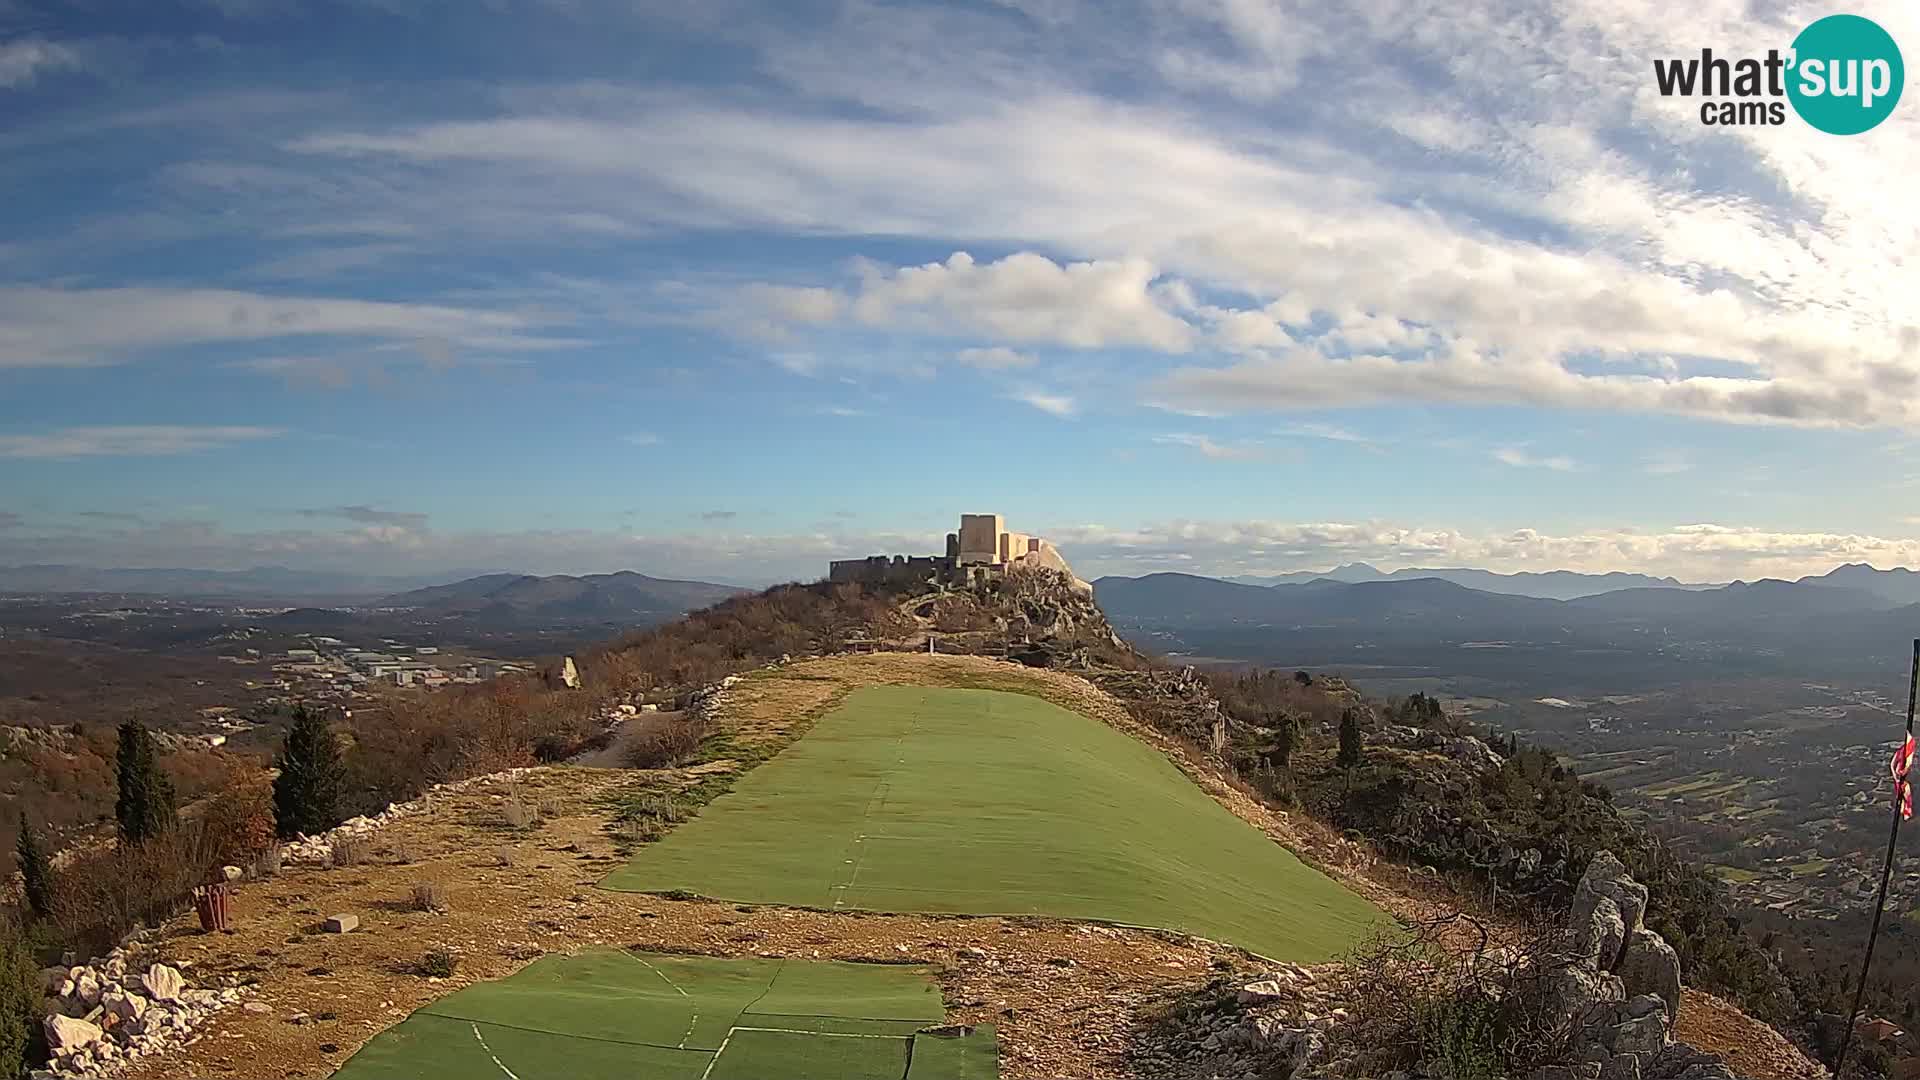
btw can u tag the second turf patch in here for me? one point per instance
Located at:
(988, 803)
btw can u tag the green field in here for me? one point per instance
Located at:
(614, 1015)
(987, 803)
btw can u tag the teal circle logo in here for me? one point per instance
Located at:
(1846, 74)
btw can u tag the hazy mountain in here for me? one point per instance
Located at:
(1896, 586)
(1551, 585)
(620, 595)
(1450, 608)
(1174, 598)
(1769, 598)
(258, 583)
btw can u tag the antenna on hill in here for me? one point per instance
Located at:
(1902, 809)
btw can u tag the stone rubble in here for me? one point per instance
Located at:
(108, 1014)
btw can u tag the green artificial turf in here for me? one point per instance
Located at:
(989, 803)
(644, 1016)
(943, 1057)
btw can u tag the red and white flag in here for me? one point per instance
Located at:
(1902, 762)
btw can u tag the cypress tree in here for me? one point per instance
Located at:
(35, 869)
(306, 794)
(1350, 742)
(145, 807)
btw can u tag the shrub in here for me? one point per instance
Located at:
(665, 746)
(438, 962)
(429, 896)
(20, 999)
(241, 818)
(518, 812)
(267, 863)
(102, 894)
(645, 817)
(145, 807)
(1421, 1004)
(306, 794)
(347, 851)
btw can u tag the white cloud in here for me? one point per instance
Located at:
(1207, 448)
(1520, 458)
(26, 59)
(71, 327)
(641, 438)
(1515, 223)
(1061, 405)
(148, 440)
(996, 358)
(1025, 297)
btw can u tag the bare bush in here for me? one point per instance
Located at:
(666, 745)
(100, 895)
(519, 812)
(438, 962)
(1445, 1002)
(429, 896)
(267, 863)
(346, 851)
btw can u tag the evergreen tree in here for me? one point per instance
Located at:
(306, 794)
(145, 807)
(35, 870)
(20, 998)
(1350, 740)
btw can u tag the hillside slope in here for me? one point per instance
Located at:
(564, 596)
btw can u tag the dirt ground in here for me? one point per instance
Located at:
(1062, 995)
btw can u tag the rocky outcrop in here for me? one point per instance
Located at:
(1618, 985)
(1468, 750)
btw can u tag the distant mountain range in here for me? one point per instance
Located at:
(1551, 585)
(1446, 602)
(621, 595)
(259, 583)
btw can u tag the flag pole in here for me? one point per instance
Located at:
(1886, 874)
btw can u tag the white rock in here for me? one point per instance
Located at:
(163, 982)
(64, 1033)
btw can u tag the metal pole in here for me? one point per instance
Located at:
(1886, 874)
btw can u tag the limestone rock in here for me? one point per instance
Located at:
(1607, 876)
(1474, 753)
(64, 1033)
(1650, 966)
(1261, 993)
(1600, 936)
(163, 983)
(342, 924)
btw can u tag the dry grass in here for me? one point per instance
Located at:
(429, 896)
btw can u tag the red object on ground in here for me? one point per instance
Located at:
(215, 906)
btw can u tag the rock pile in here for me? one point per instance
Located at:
(1273, 1026)
(1620, 987)
(108, 1014)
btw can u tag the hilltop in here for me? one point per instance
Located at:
(693, 709)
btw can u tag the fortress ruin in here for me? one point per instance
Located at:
(981, 549)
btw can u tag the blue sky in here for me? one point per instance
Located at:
(729, 289)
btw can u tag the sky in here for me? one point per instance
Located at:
(726, 289)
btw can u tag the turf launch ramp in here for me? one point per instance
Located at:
(915, 799)
(614, 1015)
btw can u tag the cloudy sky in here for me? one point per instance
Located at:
(725, 289)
